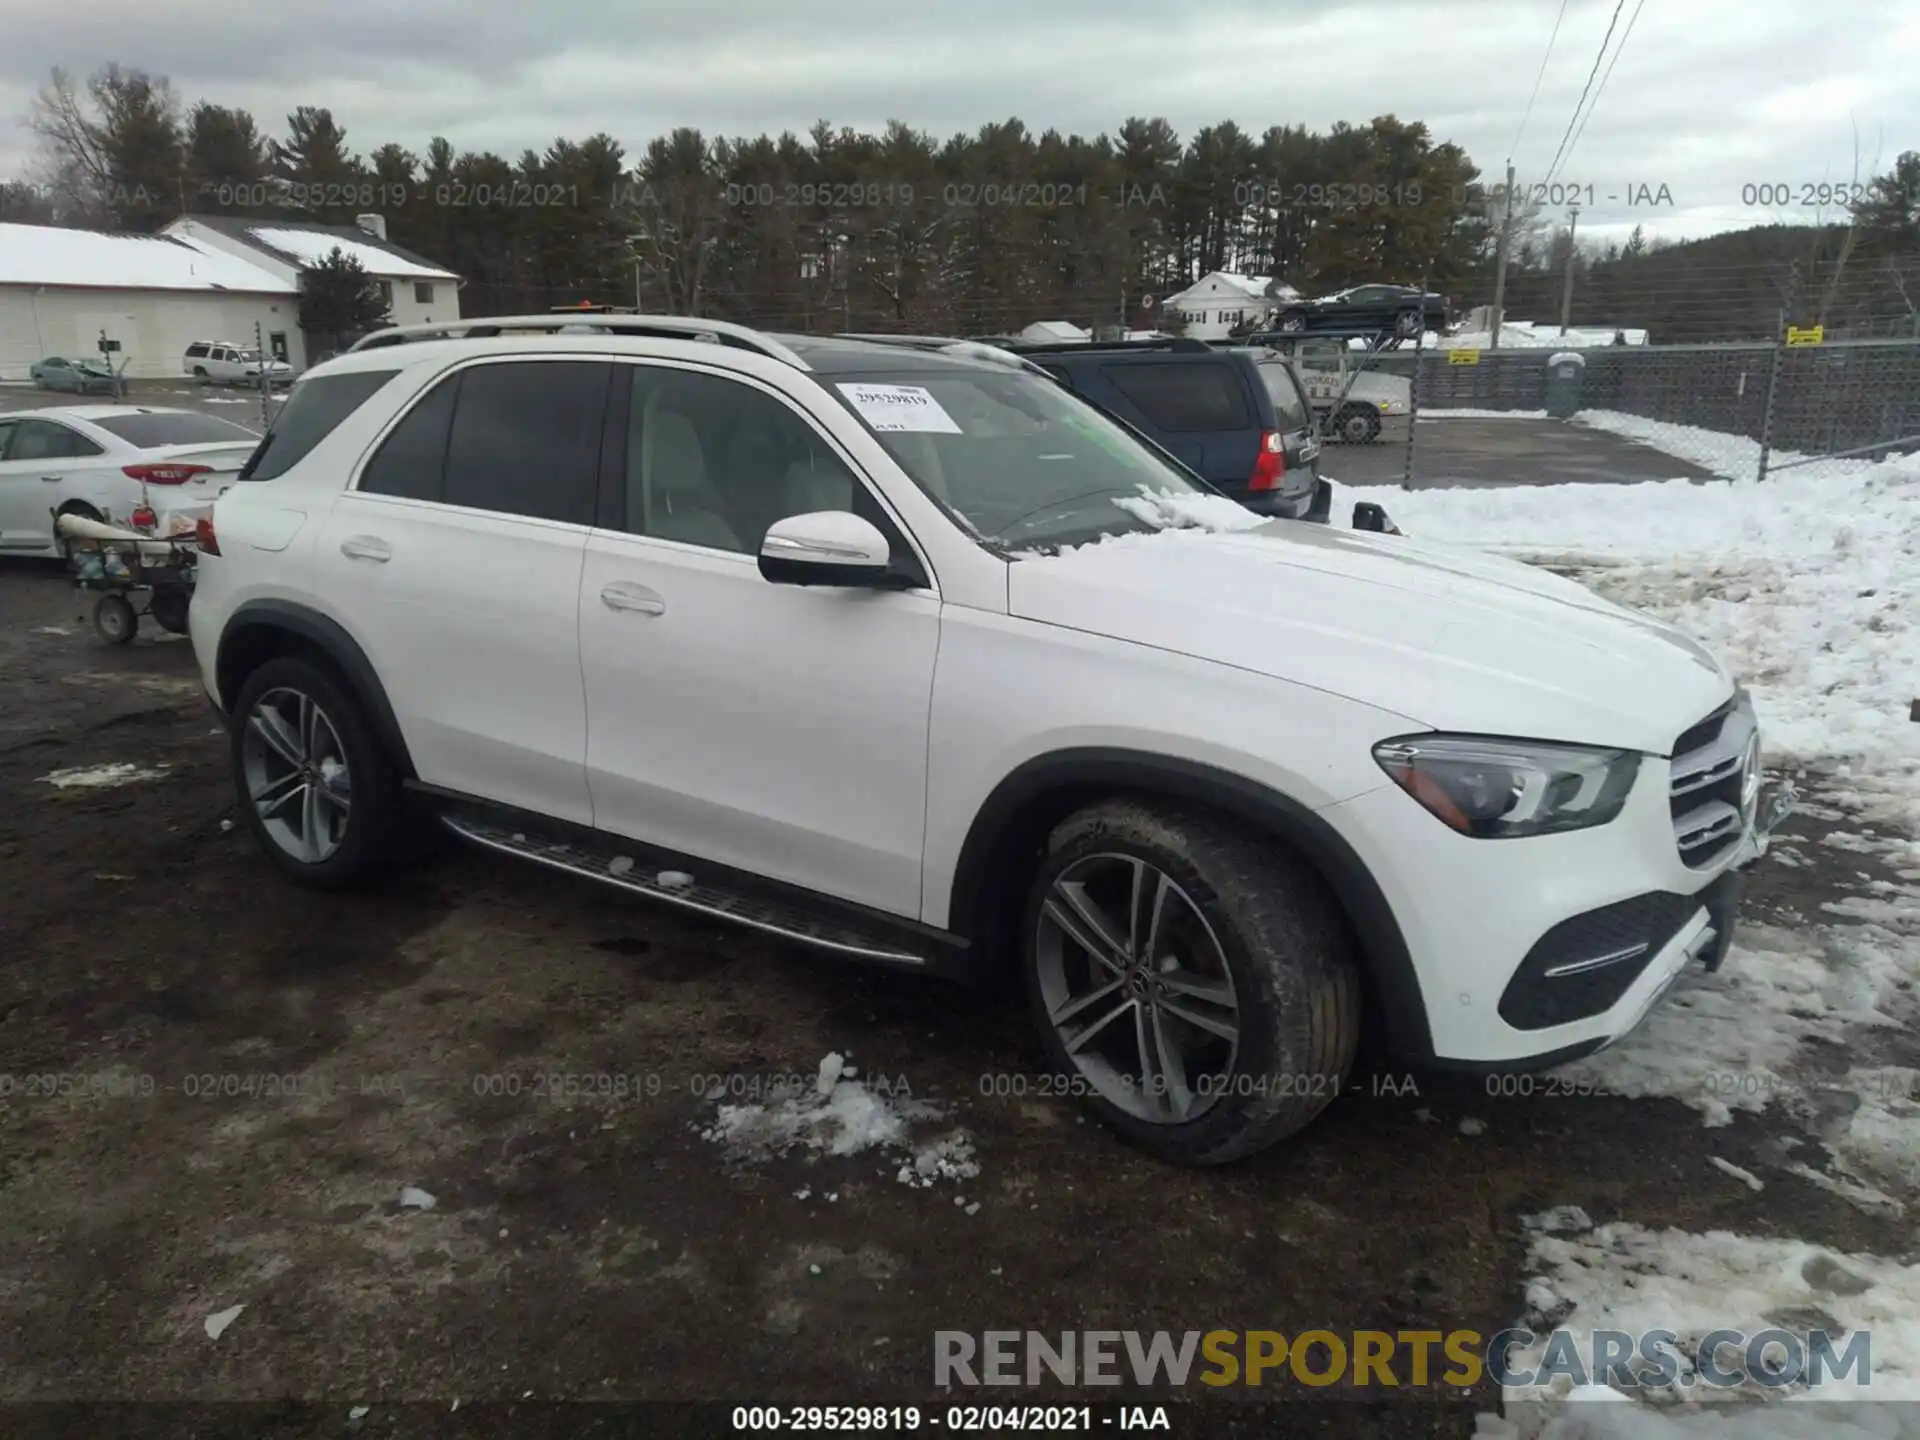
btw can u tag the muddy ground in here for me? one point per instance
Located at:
(601, 1248)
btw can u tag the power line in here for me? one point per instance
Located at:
(1600, 90)
(1587, 88)
(1528, 115)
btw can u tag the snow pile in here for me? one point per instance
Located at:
(1624, 1277)
(101, 777)
(839, 1115)
(1806, 585)
(1530, 335)
(1165, 510)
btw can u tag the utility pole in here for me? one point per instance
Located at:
(1566, 283)
(1500, 261)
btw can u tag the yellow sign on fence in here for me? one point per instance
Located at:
(1812, 335)
(1463, 357)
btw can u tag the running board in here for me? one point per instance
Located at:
(732, 903)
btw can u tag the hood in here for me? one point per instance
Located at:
(1445, 636)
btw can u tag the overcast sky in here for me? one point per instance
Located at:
(1707, 97)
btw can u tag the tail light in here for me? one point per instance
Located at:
(1270, 467)
(204, 537)
(165, 474)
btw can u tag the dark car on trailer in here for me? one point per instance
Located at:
(1211, 409)
(1392, 309)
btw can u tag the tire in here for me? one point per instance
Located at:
(168, 607)
(114, 620)
(1230, 902)
(1292, 323)
(200, 375)
(1357, 424)
(1407, 322)
(311, 836)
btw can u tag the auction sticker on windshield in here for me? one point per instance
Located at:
(899, 407)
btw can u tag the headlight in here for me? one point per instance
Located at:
(1502, 789)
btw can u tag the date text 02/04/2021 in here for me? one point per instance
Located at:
(959, 1419)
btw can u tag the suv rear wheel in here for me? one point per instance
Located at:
(1293, 322)
(1192, 980)
(1407, 322)
(319, 794)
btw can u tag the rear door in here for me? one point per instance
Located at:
(1199, 407)
(47, 463)
(455, 560)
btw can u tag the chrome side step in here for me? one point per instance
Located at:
(765, 913)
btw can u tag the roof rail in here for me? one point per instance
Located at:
(948, 345)
(1181, 343)
(668, 327)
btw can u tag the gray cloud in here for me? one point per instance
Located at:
(1709, 96)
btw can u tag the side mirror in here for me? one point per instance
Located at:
(826, 547)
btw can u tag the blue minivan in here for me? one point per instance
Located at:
(1248, 433)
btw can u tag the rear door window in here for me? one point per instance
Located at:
(45, 440)
(1183, 399)
(313, 411)
(526, 438)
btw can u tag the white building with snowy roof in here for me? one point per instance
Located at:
(416, 289)
(1209, 308)
(154, 294)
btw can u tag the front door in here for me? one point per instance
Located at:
(455, 561)
(776, 729)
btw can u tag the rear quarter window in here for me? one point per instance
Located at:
(1184, 398)
(313, 411)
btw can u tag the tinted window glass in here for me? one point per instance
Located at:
(1289, 407)
(44, 440)
(196, 351)
(180, 428)
(313, 411)
(526, 439)
(412, 460)
(713, 462)
(7, 427)
(1183, 398)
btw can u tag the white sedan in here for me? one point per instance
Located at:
(106, 462)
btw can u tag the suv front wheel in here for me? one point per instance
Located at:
(1192, 980)
(318, 792)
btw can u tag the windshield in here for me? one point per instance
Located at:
(1022, 462)
(179, 427)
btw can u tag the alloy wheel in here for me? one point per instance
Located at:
(296, 775)
(1137, 988)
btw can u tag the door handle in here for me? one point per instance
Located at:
(366, 547)
(53, 479)
(633, 597)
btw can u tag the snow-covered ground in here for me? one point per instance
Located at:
(1623, 1277)
(1807, 584)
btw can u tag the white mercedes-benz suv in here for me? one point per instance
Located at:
(904, 652)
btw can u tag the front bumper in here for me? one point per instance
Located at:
(1528, 953)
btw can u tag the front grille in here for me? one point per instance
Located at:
(1708, 777)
